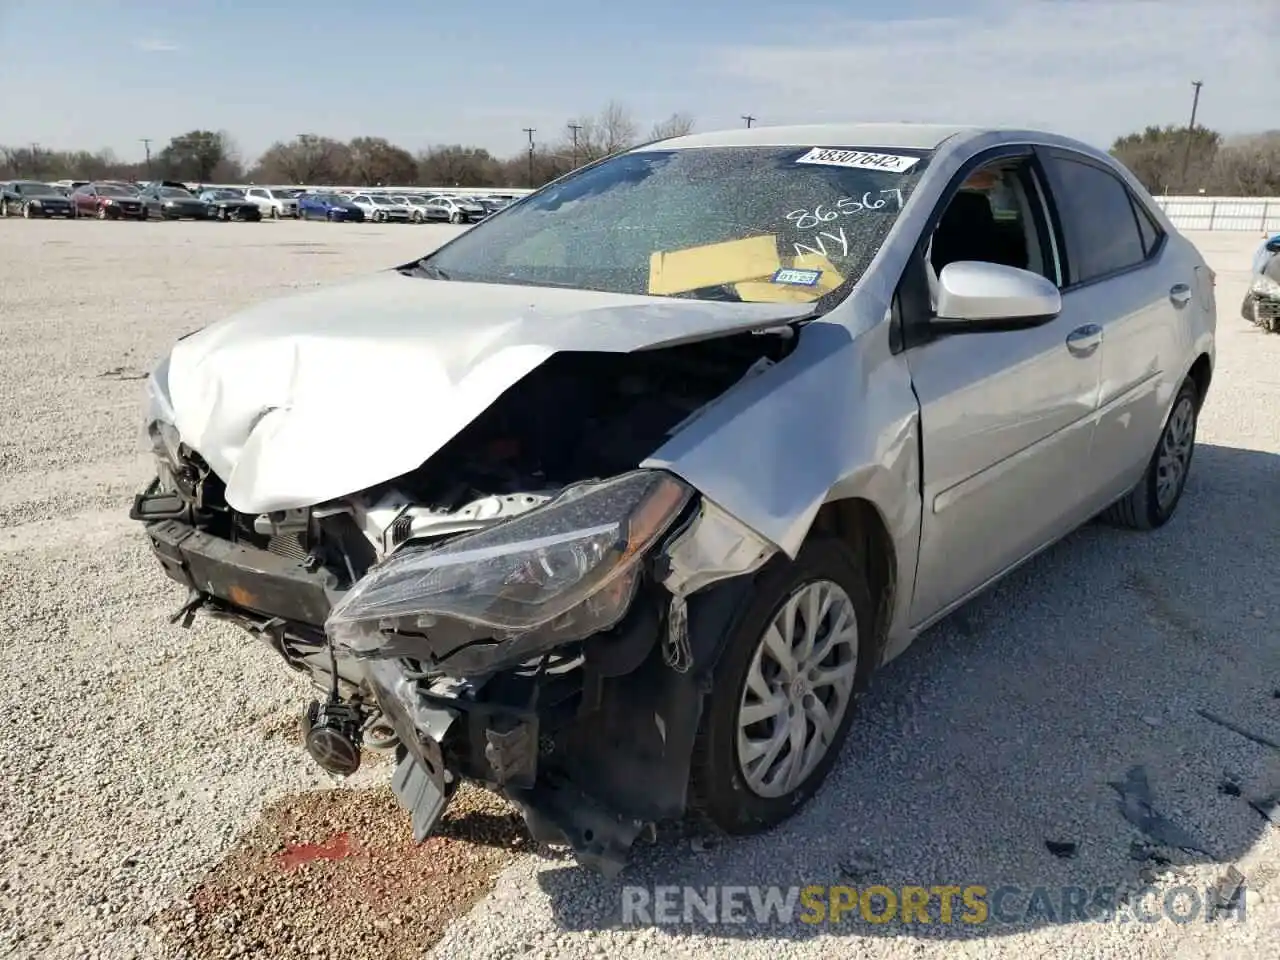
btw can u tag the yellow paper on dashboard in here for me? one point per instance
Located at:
(713, 265)
(768, 291)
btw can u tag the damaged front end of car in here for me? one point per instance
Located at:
(489, 616)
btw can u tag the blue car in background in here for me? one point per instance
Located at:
(1265, 253)
(327, 206)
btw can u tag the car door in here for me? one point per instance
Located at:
(1006, 416)
(1126, 275)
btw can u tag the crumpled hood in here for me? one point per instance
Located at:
(297, 401)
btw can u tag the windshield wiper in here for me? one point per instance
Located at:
(429, 270)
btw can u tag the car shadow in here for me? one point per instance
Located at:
(1047, 735)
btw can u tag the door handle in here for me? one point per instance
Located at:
(1083, 341)
(1180, 294)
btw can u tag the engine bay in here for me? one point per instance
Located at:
(584, 415)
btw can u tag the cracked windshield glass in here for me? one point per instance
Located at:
(758, 224)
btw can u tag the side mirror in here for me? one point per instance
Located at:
(974, 296)
(1273, 245)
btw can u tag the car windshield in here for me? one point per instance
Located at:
(34, 186)
(174, 192)
(228, 194)
(758, 224)
(115, 190)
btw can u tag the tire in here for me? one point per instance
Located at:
(1152, 502)
(4, 207)
(26, 211)
(720, 790)
(455, 217)
(275, 213)
(102, 213)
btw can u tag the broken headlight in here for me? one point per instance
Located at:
(570, 567)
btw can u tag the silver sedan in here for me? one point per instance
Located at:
(640, 483)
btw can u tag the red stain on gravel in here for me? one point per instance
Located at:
(335, 848)
(273, 895)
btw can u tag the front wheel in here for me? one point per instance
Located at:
(1152, 502)
(782, 694)
(4, 207)
(26, 211)
(102, 213)
(455, 217)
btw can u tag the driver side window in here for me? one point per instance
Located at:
(997, 216)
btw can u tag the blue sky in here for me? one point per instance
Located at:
(92, 73)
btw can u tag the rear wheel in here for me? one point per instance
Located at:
(782, 694)
(4, 207)
(1152, 502)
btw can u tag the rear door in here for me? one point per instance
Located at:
(1006, 416)
(1135, 283)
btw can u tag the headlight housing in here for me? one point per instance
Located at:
(570, 567)
(1266, 287)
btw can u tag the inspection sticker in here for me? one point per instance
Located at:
(859, 160)
(797, 277)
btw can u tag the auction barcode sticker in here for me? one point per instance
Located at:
(859, 159)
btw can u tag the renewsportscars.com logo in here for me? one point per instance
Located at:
(970, 904)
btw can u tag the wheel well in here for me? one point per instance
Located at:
(858, 523)
(1201, 373)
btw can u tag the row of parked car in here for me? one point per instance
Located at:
(398, 207)
(170, 200)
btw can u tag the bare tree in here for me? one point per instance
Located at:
(307, 158)
(374, 160)
(458, 166)
(676, 125)
(605, 133)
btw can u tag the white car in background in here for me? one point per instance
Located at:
(417, 206)
(273, 203)
(455, 210)
(382, 209)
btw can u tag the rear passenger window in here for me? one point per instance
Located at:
(1100, 222)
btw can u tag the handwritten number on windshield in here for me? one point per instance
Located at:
(846, 206)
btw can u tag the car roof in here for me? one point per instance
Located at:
(909, 136)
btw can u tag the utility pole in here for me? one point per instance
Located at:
(35, 160)
(749, 118)
(530, 131)
(146, 145)
(575, 127)
(1191, 131)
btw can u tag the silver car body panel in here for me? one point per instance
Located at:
(1011, 424)
(976, 450)
(300, 400)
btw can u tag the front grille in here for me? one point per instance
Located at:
(1266, 309)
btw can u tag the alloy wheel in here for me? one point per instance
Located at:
(1175, 452)
(798, 688)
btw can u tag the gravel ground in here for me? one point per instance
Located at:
(154, 801)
